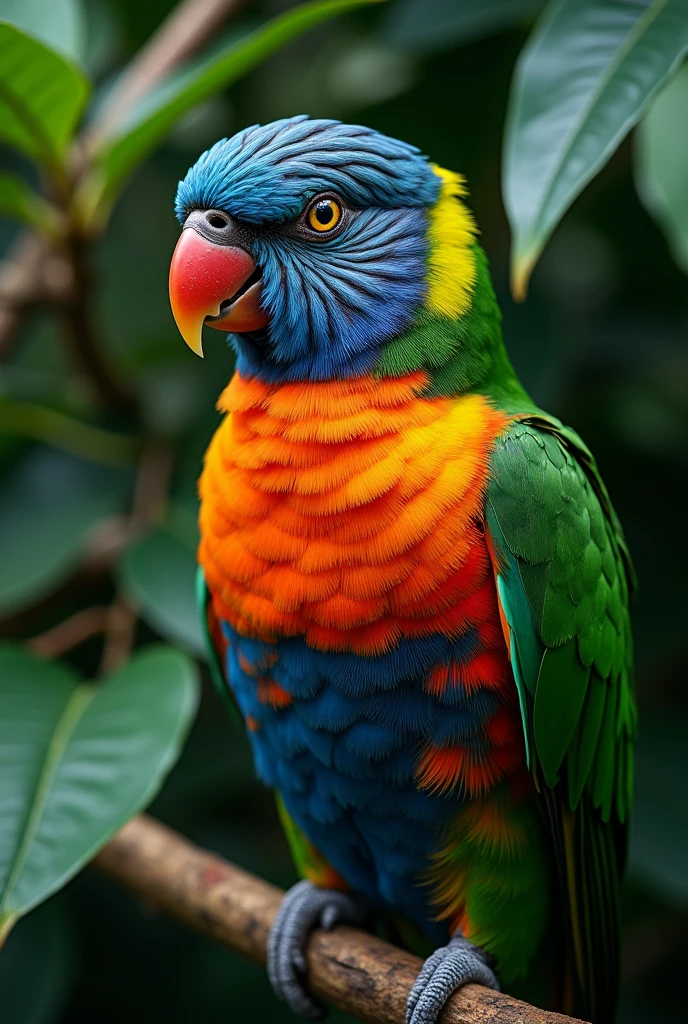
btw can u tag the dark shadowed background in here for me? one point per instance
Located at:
(600, 342)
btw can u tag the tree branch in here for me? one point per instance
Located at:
(55, 642)
(357, 972)
(33, 272)
(183, 32)
(150, 498)
(30, 274)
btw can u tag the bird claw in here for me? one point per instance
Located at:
(449, 967)
(305, 908)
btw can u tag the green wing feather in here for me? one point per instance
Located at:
(564, 581)
(215, 645)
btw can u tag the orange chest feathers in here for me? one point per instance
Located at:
(348, 512)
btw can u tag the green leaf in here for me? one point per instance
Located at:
(159, 574)
(48, 503)
(41, 423)
(59, 23)
(130, 143)
(42, 96)
(79, 761)
(19, 201)
(661, 169)
(583, 80)
(426, 26)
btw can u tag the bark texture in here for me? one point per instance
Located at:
(357, 972)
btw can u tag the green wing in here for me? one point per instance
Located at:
(216, 644)
(564, 580)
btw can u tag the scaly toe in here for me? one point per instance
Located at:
(304, 908)
(449, 967)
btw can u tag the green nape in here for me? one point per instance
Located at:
(463, 355)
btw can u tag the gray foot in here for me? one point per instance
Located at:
(303, 909)
(447, 969)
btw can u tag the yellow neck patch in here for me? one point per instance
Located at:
(451, 263)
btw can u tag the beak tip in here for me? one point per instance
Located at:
(196, 344)
(190, 327)
(203, 275)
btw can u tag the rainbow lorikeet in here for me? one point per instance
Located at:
(414, 583)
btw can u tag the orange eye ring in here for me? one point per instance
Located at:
(324, 215)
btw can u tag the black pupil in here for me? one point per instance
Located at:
(324, 212)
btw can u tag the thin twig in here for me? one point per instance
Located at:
(120, 630)
(152, 483)
(182, 34)
(357, 972)
(24, 279)
(25, 282)
(104, 545)
(150, 498)
(55, 642)
(16, 287)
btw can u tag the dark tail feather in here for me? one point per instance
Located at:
(588, 854)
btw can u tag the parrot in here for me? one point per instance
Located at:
(415, 589)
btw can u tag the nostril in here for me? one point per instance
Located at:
(216, 220)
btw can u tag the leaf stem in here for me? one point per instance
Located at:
(193, 29)
(7, 923)
(64, 728)
(106, 447)
(185, 30)
(150, 500)
(120, 630)
(69, 634)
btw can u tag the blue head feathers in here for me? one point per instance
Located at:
(333, 301)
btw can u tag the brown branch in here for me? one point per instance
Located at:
(357, 972)
(182, 34)
(150, 498)
(70, 633)
(33, 273)
(120, 632)
(152, 483)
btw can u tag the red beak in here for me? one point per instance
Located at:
(212, 284)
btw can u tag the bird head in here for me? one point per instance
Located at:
(326, 251)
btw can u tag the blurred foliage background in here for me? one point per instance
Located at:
(601, 342)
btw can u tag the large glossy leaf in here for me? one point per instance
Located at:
(130, 143)
(425, 26)
(20, 202)
(42, 96)
(77, 760)
(159, 573)
(58, 23)
(48, 503)
(662, 164)
(583, 80)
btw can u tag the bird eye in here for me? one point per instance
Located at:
(324, 214)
